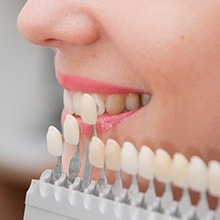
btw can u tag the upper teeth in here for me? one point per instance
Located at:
(112, 103)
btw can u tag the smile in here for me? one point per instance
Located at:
(114, 103)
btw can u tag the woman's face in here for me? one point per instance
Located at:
(168, 49)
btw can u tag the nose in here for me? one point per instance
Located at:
(54, 23)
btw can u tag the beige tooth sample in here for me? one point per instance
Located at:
(146, 165)
(71, 130)
(198, 175)
(77, 98)
(180, 171)
(115, 104)
(163, 166)
(132, 101)
(67, 102)
(54, 142)
(88, 110)
(113, 155)
(97, 152)
(100, 104)
(129, 158)
(145, 99)
(214, 178)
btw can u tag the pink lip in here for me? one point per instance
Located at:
(104, 122)
(82, 84)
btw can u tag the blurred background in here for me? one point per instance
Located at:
(30, 101)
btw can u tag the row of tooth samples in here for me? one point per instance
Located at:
(193, 174)
(112, 104)
(180, 172)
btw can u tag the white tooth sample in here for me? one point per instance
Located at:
(146, 163)
(97, 152)
(198, 175)
(88, 110)
(67, 102)
(71, 130)
(214, 178)
(100, 104)
(145, 99)
(54, 142)
(163, 166)
(113, 155)
(77, 98)
(129, 158)
(132, 101)
(180, 171)
(115, 104)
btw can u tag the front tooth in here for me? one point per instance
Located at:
(67, 102)
(146, 166)
(97, 152)
(54, 142)
(77, 98)
(71, 130)
(129, 158)
(115, 104)
(132, 101)
(180, 171)
(163, 167)
(100, 104)
(198, 175)
(214, 178)
(113, 155)
(145, 99)
(88, 110)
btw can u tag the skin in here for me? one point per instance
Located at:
(168, 48)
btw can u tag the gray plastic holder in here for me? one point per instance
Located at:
(58, 201)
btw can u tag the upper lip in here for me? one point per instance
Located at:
(83, 84)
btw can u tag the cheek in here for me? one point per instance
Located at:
(156, 42)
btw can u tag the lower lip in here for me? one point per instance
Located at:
(104, 122)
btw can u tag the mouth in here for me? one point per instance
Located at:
(114, 104)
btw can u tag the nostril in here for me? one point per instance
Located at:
(54, 27)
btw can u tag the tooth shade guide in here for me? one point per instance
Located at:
(180, 171)
(214, 178)
(97, 153)
(54, 142)
(146, 163)
(71, 130)
(163, 166)
(129, 158)
(113, 155)
(198, 175)
(88, 110)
